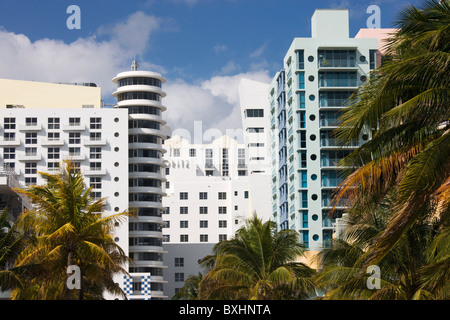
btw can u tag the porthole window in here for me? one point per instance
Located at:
(312, 137)
(314, 177)
(365, 137)
(116, 239)
(116, 149)
(313, 157)
(116, 209)
(310, 58)
(314, 197)
(312, 97)
(116, 179)
(116, 164)
(311, 78)
(315, 217)
(312, 117)
(116, 134)
(315, 237)
(116, 194)
(363, 78)
(116, 119)
(362, 58)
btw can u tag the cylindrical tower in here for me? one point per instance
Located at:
(140, 92)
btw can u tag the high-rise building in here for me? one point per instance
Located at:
(140, 92)
(38, 132)
(256, 127)
(319, 73)
(208, 199)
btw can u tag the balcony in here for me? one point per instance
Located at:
(52, 142)
(29, 156)
(73, 127)
(94, 142)
(95, 172)
(9, 142)
(30, 127)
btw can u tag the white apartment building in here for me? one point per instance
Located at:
(34, 140)
(256, 127)
(319, 73)
(208, 199)
(139, 93)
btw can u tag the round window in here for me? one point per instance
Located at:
(315, 217)
(314, 197)
(314, 177)
(310, 58)
(315, 237)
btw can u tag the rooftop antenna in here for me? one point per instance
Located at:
(134, 65)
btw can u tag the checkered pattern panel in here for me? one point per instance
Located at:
(145, 286)
(128, 285)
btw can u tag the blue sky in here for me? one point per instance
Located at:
(202, 47)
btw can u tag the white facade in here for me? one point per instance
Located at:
(256, 127)
(96, 139)
(207, 201)
(318, 74)
(139, 93)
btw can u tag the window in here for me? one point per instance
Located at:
(222, 237)
(179, 277)
(222, 210)
(74, 122)
(29, 181)
(167, 171)
(96, 123)
(31, 138)
(203, 238)
(183, 210)
(184, 238)
(254, 113)
(183, 195)
(184, 224)
(203, 195)
(74, 151)
(246, 194)
(53, 153)
(9, 136)
(203, 223)
(176, 153)
(222, 223)
(179, 262)
(95, 182)
(30, 151)
(203, 210)
(222, 195)
(74, 138)
(192, 152)
(9, 123)
(95, 136)
(30, 168)
(30, 122)
(225, 162)
(95, 153)
(96, 195)
(52, 136)
(256, 130)
(53, 123)
(52, 166)
(95, 166)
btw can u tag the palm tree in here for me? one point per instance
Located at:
(405, 107)
(190, 289)
(257, 263)
(407, 271)
(67, 228)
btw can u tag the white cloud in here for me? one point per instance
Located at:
(220, 48)
(99, 58)
(84, 60)
(215, 102)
